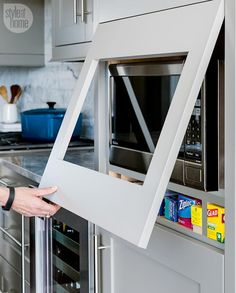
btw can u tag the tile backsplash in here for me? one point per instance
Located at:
(54, 82)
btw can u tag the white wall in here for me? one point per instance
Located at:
(54, 82)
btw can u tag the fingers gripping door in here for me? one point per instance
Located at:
(125, 209)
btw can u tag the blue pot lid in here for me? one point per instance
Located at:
(47, 111)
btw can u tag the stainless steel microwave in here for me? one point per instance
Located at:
(141, 93)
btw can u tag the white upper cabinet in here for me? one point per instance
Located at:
(116, 9)
(123, 208)
(72, 25)
(22, 33)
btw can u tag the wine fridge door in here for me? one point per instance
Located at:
(64, 264)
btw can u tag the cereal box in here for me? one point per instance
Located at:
(184, 209)
(216, 222)
(196, 218)
(171, 208)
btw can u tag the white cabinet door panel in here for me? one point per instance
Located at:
(66, 29)
(171, 263)
(123, 208)
(111, 10)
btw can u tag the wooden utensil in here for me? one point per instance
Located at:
(3, 93)
(15, 93)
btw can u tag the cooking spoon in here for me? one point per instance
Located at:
(15, 93)
(3, 93)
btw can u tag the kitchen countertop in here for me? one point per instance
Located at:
(32, 164)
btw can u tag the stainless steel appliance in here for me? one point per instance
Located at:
(16, 242)
(68, 253)
(14, 142)
(63, 253)
(141, 93)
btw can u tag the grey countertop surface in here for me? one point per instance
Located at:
(32, 164)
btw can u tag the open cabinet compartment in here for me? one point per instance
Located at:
(125, 209)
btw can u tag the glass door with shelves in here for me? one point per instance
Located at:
(67, 239)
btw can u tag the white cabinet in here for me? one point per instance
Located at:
(171, 263)
(116, 9)
(22, 33)
(72, 28)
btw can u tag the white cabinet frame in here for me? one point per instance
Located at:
(230, 145)
(125, 209)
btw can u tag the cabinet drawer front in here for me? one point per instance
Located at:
(12, 254)
(11, 222)
(10, 280)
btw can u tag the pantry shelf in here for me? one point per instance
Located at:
(186, 231)
(216, 197)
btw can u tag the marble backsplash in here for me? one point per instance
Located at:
(54, 82)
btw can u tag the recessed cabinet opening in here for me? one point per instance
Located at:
(140, 96)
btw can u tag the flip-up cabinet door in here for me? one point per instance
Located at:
(111, 10)
(72, 25)
(129, 210)
(22, 33)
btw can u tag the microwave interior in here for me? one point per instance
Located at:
(141, 93)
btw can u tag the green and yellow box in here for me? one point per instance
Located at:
(216, 222)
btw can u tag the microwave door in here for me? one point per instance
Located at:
(140, 102)
(125, 129)
(138, 114)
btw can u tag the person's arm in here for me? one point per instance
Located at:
(29, 202)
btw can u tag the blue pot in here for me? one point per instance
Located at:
(44, 124)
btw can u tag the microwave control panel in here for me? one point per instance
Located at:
(193, 143)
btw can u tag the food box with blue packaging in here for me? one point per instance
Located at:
(171, 208)
(162, 209)
(184, 209)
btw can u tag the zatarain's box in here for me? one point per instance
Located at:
(184, 209)
(216, 222)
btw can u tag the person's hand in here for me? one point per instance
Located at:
(29, 202)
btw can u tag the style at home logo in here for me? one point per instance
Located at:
(18, 18)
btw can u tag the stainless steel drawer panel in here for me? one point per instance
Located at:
(12, 178)
(10, 280)
(12, 254)
(11, 221)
